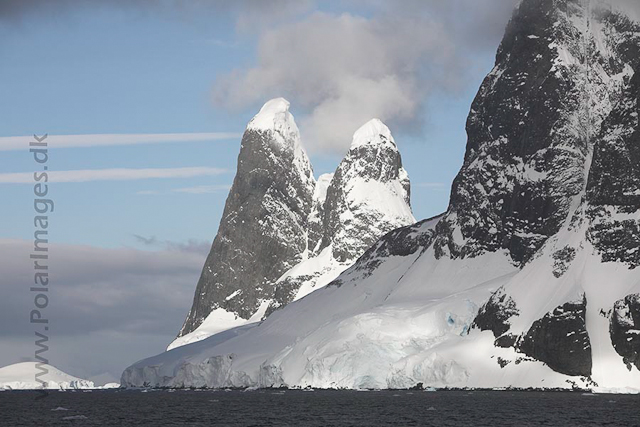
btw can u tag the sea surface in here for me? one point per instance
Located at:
(317, 408)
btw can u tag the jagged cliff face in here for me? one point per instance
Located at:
(316, 225)
(613, 192)
(613, 213)
(263, 229)
(602, 236)
(559, 71)
(588, 179)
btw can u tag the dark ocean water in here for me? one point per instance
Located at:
(318, 408)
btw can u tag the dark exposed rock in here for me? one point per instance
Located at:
(560, 340)
(403, 241)
(277, 217)
(494, 316)
(503, 362)
(562, 259)
(262, 233)
(625, 329)
(530, 127)
(561, 90)
(285, 291)
(614, 183)
(316, 226)
(506, 341)
(366, 197)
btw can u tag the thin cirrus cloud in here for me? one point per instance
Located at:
(13, 143)
(117, 174)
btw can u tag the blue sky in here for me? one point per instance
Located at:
(117, 69)
(137, 72)
(115, 73)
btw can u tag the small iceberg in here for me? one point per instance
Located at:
(75, 417)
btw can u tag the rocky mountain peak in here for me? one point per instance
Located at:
(373, 155)
(613, 191)
(369, 194)
(263, 231)
(592, 204)
(530, 279)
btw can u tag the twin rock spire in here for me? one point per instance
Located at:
(283, 234)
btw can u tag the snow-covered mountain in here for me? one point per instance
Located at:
(529, 279)
(366, 197)
(21, 376)
(283, 234)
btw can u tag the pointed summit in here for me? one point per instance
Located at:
(267, 252)
(374, 131)
(366, 197)
(274, 115)
(530, 279)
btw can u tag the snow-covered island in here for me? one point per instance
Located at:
(22, 376)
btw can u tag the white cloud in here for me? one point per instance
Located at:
(190, 246)
(344, 70)
(10, 143)
(118, 174)
(340, 70)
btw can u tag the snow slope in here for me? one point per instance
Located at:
(365, 331)
(392, 321)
